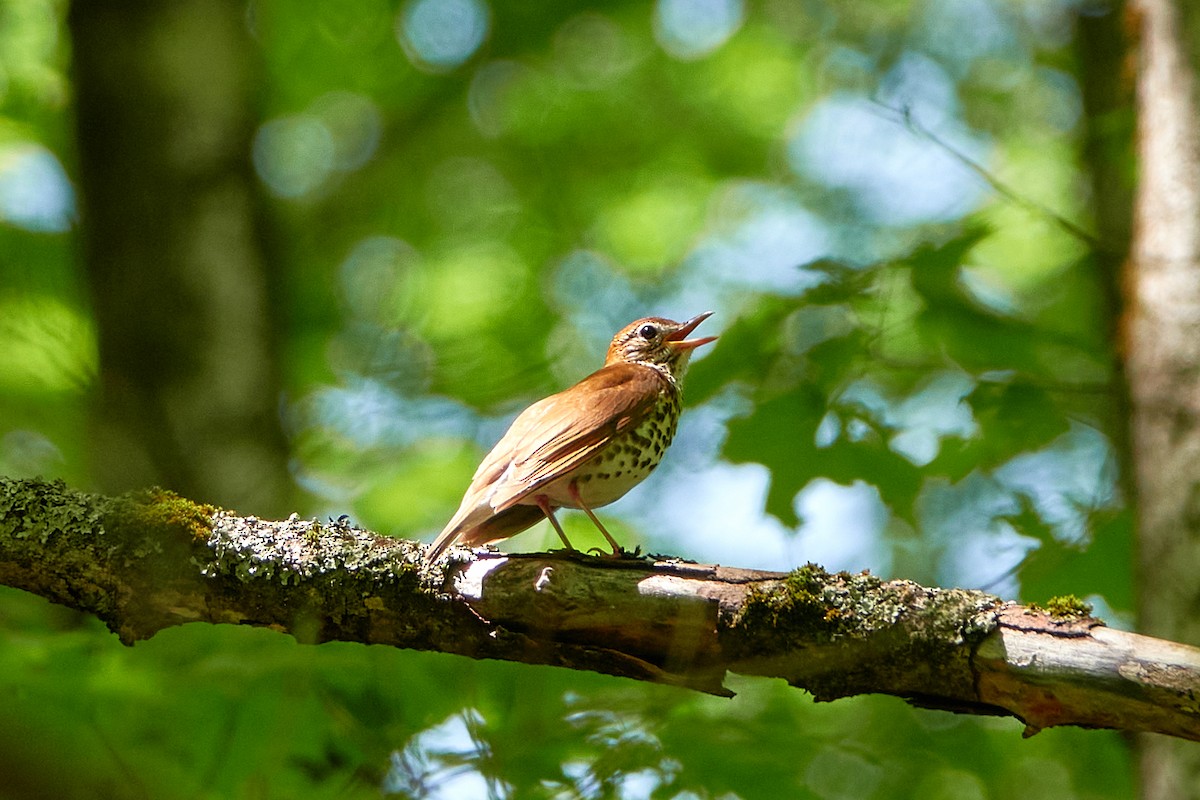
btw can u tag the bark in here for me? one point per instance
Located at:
(1163, 355)
(145, 563)
(173, 247)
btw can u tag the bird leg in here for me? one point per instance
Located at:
(543, 503)
(573, 490)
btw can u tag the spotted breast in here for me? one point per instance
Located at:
(626, 461)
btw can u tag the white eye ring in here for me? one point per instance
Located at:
(648, 332)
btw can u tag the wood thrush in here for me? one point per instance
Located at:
(584, 447)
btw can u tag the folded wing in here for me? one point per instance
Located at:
(547, 441)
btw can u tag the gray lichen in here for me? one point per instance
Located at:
(296, 549)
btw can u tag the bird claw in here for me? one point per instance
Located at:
(620, 555)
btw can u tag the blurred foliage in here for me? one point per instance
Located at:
(914, 374)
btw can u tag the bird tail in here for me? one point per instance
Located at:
(501, 525)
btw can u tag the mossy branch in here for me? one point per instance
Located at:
(146, 562)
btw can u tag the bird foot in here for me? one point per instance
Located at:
(621, 554)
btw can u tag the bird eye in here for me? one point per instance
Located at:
(648, 332)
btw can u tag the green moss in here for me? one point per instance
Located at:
(158, 512)
(811, 604)
(911, 629)
(1066, 606)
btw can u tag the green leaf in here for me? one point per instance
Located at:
(842, 282)
(780, 433)
(744, 350)
(1013, 417)
(1096, 565)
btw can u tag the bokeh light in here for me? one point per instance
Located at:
(961, 32)
(294, 155)
(896, 177)
(490, 94)
(593, 51)
(764, 237)
(440, 35)
(26, 452)
(471, 194)
(381, 279)
(34, 191)
(355, 125)
(691, 29)
(652, 225)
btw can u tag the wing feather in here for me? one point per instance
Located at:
(574, 427)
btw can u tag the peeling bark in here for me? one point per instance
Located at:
(144, 563)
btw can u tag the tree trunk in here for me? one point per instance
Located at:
(173, 248)
(1163, 352)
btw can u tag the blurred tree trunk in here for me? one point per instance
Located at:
(1109, 119)
(1163, 353)
(174, 250)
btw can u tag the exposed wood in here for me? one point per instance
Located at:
(143, 564)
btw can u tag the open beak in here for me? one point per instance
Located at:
(676, 338)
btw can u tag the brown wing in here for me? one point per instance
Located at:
(572, 427)
(551, 438)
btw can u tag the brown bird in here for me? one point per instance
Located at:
(584, 447)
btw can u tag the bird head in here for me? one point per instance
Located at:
(659, 343)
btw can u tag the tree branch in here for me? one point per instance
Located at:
(148, 562)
